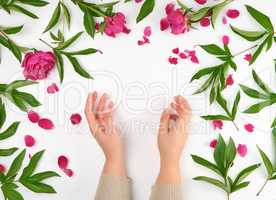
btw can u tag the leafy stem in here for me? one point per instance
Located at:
(46, 43)
(243, 51)
(262, 188)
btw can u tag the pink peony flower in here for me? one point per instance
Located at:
(217, 124)
(2, 168)
(63, 162)
(233, 13)
(249, 127)
(38, 64)
(75, 118)
(213, 143)
(33, 116)
(173, 60)
(225, 40)
(175, 19)
(248, 57)
(115, 25)
(53, 88)
(29, 140)
(201, 2)
(242, 150)
(46, 124)
(205, 21)
(229, 80)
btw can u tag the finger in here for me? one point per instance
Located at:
(182, 102)
(164, 121)
(89, 107)
(94, 99)
(179, 110)
(101, 105)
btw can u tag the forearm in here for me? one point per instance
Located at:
(170, 173)
(115, 167)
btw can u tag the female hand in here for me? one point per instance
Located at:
(102, 127)
(172, 137)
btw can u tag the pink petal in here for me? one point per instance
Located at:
(183, 55)
(249, 127)
(248, 57)
(138, 1)
(164, 24)
(46, 124)
(63, 162)
(173, 60)
(175, 50)
(233, 13)
(205, 21)
(217, 124)
(224, 20)
(169, 8)
(147, 31)
(68, 172)
(33, 116)
(53, 88)
(213, 143)
(225, 40)
(29, 140)
(2, 168)
(75, 118)
(146, 40)
(242, 150)
(201, 2)
(194, 59)
(140, 42)
(229, 80)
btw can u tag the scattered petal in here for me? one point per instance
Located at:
(173, 60)
(205, 21)
(164, 24)
(75, 118)
(175, 50)
(147, 31)
(146, 40)
(2, 168)
(248, 57)
(68, 172)
(229, 80)
(233, 13)
(183, 55)
(224, 20)
(138, 1)
(213, 143)
(201, 2)
(140, 42)
(242, 150)
(249, 127)
(53, 88)
(225, 40)
(46, 124)
(63, 162)
(217, 124)
(29, 140)
(33, 116)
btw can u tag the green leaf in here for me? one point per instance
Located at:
(8, 152)
(235, 105)
(260, 83)
(198, 15)
(219, 154)
(54, 19)
(23, 11)
(28, 171)
(258, 107)
(81, 52)
(78, 68)
(213, 49)
(216, 11)
(248, 35)
(273, 124)
(212, 181)
(231, 152)
(274, 145)
(60, 65)
(16, 164)
(43, 175)
(38, 187)
(245, 173)
(269, 42)
(205, 85)
(37, 3)
(19, 83)
(261, 18)
(267, 163)
(89, 23)
(216, 117)
(15, 50)
(13, 30)
(257, 53)
(145, 10)
(66, 14)
(27, 98)
(240, 186)
(10, 131)
(2, 114)
(204, 72)
(222, 102)
(11, 194)
(68, 42)
(253, 93)
(203, 162)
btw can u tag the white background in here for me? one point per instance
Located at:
(141, 82)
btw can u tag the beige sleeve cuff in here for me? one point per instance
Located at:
(111, 188)
(166, 192)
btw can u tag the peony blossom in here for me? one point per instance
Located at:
(38, 64)
(175, 19)
(115, 25)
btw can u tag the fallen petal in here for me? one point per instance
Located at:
(46, 124)
(249, 127)
(229, 80)
(217, 124)
(2, 168)
(63, 162)
(213, 143)
(53, 88)
(205, 21)
(29, 140)
(33, 116)
(173, 60)
(233, 13)
(147, 31)
(75, 118)
(225, 40)
(175, 50)
(201, 2)
(242, 150)
(68, 172)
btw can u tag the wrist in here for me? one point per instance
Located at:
(115, 166)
